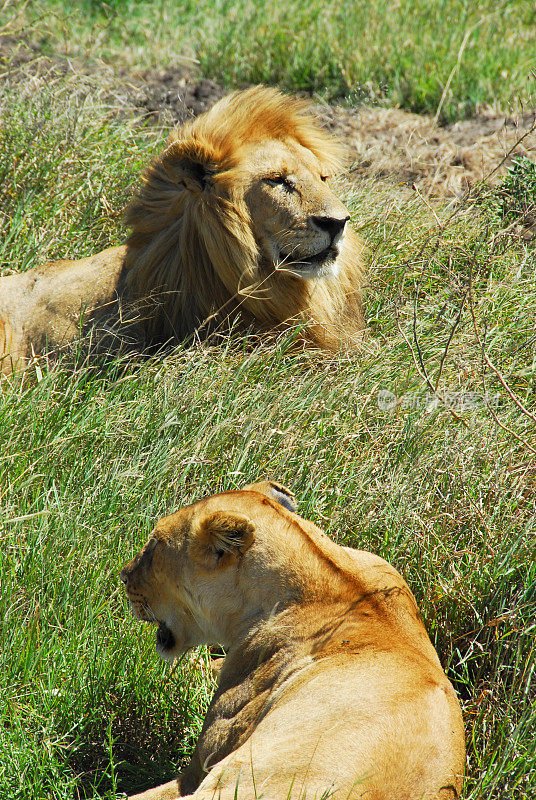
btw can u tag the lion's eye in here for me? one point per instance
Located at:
(324, 177)
(280, 180)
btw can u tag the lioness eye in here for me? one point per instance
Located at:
(324, 177)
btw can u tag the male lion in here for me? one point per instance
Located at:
(233, 220)
(330, 687)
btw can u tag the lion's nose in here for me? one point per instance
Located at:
(331, 225)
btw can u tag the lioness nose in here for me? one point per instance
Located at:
(331, 225)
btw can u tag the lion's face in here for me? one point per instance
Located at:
(191, 579)
(298, 222)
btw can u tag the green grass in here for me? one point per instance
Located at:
(92, 455)
(515, 201)
(452, 55)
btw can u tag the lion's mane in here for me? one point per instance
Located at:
(193, 248)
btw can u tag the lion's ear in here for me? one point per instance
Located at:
(196, 172)
(275, 491)
(222, 537)
(192, 163)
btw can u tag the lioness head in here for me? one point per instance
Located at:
(205, 572)
(237, 213)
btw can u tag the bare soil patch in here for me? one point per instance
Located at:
(412, 149)
(392, 145)
(166, 97)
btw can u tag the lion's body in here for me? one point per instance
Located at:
(330, 685)
(233, 221)
(47, 308)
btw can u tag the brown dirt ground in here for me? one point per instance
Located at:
(395, 146)
(411, 149)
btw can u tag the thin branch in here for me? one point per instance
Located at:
(484, 357)
(423, 373)
(509, 430)
(509, 153)
(427, 204)
(449, 340)
(512, 394)
(458, 318)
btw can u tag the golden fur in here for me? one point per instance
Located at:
(234, 220)
(330, 687)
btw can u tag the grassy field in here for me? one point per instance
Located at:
(447, 56)
(91, 456)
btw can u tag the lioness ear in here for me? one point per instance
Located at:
(222, 537)
(275, 491)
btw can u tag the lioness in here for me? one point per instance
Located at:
(331, 686)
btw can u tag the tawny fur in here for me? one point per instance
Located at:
(197, 257)
(330, 687)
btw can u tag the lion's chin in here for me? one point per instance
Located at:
(325, 264)
(165, 642)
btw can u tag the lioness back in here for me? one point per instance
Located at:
(330, 684)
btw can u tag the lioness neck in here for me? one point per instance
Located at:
(260, 667)
(316, 569)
